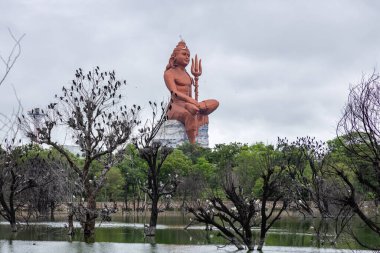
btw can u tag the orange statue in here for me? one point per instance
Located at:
(183, 107)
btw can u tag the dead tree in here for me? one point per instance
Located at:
(234, 221)
(12, 184)
(10, 60)
(22, 170)
(242, 211)
(42, 201)
(13, 180)
(155, 154)
(91, 109)
(315, 187)
(277, 190)
(359, 133)
(7, 123)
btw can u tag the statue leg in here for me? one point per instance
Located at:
(185, 116)
(208, 106)
(191, 134)
(191, 127)
(202, 120)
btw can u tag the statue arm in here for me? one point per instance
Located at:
(170, 83)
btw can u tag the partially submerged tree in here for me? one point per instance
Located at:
(316, 188)
(235, 222)
(22, 170)
(155, 153)
(277, 191)
(12, 183)
(58, 185)
(359, 133)
(243, 210)
(90, 108)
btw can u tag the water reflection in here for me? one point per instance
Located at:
(80, 247)
(290, 232)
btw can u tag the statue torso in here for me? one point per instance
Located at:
(183, 82)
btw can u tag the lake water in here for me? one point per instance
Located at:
(80, 247)
(125, 234)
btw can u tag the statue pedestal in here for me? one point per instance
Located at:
(173, 134)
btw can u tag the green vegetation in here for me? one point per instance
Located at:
(233, 187)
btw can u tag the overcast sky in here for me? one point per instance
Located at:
(278, 68)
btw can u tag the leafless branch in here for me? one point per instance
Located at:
(12, 57)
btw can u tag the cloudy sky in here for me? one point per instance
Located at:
(278, 68)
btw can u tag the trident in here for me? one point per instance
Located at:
(196, 70)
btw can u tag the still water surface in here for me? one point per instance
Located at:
(80, 247)
(125, 234)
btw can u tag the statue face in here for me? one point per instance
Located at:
(182, 58)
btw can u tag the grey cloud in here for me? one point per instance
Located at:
(278, 68)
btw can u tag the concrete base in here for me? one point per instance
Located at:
(173, 134)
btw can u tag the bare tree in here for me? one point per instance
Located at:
(236, 217)
(12, 184)
(22, 170)
(315, 187)
(155, 154)
(7, 123)
(277, 190)
(359, 133)
(12, 57)
(236, 220)
(100, 125)
(42, 201)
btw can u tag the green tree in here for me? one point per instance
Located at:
(176, 163)
(113, 189)
(224, 155)
(193, 151)
(206, 169)
(133, 170)
(246, 167)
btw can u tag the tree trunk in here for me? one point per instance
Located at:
(52, 208)
(138, 202)
(184, 200)
(237, 244)
(151, 230)
(262, 232)
(12, 220)
(264, 219)
(261, 243)
(91, 215)
(70, 219)
(13, 225)
(126, 197)
(248, 237)
(71, 224)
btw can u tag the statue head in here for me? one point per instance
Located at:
(172, 60)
